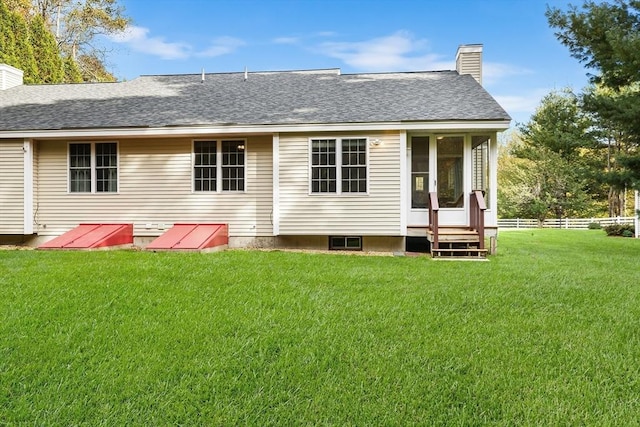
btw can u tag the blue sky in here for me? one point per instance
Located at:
(523, 61)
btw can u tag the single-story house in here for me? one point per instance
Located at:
(304, 159)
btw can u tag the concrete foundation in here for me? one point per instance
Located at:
(389, 244)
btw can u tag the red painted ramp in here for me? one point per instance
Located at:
(191, 237)
(91, 236)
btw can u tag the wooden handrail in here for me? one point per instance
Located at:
(434, 207)
(476, 215)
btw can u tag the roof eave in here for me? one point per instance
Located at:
(177, 131)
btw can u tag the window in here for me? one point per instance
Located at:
(213, 159)
(232, 166)
(93, 167)
(354, 165)
(204, 170)
(480, 163)
(323, 166)
(106, 168)
(80, 168)
(345, 243)
(351, 172)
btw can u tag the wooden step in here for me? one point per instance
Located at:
(459, 253)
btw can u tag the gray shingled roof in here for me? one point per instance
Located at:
(265, 98)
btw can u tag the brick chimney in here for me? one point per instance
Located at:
(469, 60)
(9, 76)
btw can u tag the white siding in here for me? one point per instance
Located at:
(11, 187)
(155, 187)
(469, 61)
(10, 76)
(376, 213)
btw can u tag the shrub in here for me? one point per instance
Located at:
(594, 226)
(624, 230)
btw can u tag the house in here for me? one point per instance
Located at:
(313, 159)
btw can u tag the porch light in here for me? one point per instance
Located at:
(375, 142)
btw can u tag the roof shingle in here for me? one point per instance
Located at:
(264, 98)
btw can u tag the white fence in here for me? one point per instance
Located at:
(576, 223)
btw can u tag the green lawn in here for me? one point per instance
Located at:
(546, 333)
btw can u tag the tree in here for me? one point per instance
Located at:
(93, 70)
(50, 65)
(560, 126)
(76, 25)
(23, 50)
(606, 38)
(547, 168)
(72, 73)
(7, 37)
(32, 31)
(540, 184)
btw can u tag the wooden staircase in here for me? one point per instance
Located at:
(458, 242)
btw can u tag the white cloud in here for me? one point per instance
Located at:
(493, 72)
(523, 105)
(396, 52)
(137, 38)
(221, 46)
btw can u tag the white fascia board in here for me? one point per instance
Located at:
(177, 131)
(27, 148)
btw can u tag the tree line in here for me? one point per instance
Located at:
(579, 154)
(57, 41)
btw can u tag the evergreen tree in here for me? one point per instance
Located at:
(7, 37)
(24, 57)
(50, 65)
(606, 37)
(71, 71)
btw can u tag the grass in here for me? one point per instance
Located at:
(546, 333)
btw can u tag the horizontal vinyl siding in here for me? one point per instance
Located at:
(471, 63)
(11, 187)
(155, 187)
(375, 213)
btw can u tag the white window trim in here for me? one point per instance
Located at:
(338, 166)
(93, 168)
(218, 142)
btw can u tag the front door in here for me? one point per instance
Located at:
(437, 164)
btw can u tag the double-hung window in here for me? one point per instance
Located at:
(339, 165)
(219, 165)
(93, 167)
